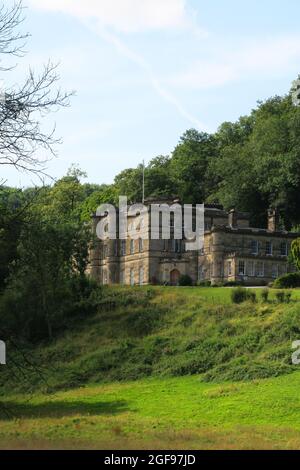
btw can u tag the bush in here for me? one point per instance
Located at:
(233, 283)
(239, 295)
(280, 296)
(289, 281)
(265, 295)
(204, 283)
(185, 280)
(251, 295)
(288, 296)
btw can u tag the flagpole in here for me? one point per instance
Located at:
(143, 181)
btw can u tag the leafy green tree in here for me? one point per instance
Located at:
(39, 295)
(295, 253)
(190, 166)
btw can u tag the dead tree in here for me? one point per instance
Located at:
(24, 144)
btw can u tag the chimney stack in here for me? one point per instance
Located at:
(233, 218)
(273, 220)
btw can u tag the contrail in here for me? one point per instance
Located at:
(144, 65)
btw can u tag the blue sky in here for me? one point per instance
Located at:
(144, 71)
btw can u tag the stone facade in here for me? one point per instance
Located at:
(233, 252)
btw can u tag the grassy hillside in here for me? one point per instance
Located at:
(164, 332)
(160, 413)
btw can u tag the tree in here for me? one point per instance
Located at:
(22, 108)
(259, 158)
(295, 252)
(52, 256)
(189, 166)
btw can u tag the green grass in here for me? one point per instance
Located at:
(179, 368)
(160, 413)
(165, 332)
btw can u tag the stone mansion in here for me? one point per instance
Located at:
(233, 252)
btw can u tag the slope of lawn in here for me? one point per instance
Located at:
(163, 332)
(160, 413)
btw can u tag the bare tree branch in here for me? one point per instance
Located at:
(24, 144)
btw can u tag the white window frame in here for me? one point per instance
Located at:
(275, 273)
(286, 249)
(201, 274)
(270, 245)
(242, 262)
(229, 268)
(254, 252)
(257, 272)
(250, 268)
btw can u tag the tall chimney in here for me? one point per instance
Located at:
(273, 220)
(233, 218)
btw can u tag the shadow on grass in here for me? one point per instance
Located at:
(59, 409)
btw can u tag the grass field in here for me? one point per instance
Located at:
(172, 413)
(161, 368)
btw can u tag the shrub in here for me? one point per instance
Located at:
(251, 295)
(185, 280)
(288, 281)
(280, 296)
(265, 295)
(204, 283)
(288, 296)
(239, 295)
(233, 283)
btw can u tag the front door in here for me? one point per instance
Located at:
(174, 277)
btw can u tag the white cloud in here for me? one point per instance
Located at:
(267, 57)
(123, 15)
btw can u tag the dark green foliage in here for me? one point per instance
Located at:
(251, 295)
(289, 281)
(185, 280)
(239, 295)
(265, 295)
(204, 284)
(280, 296)
(295, 253)
(127, 334)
